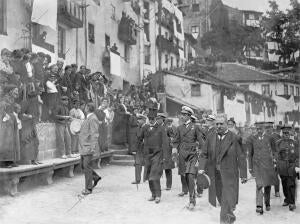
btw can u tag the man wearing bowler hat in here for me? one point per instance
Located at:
(187, 141)
(288, 166)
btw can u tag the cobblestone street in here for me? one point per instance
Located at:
(115, 200)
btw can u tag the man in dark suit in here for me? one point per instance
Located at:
(261, 149)
(223, 159)
(188, 140)
(88, 140)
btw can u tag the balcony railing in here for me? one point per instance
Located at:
(43, 44)
(69, 13)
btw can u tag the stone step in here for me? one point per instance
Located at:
(120, 151)
(123, 157)
(117, 147)
(122, 162)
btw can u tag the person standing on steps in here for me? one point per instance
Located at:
(261, 148)
(88, 140)
(188, 139)
(224, 161)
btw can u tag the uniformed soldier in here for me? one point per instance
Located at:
(261, 148)
(288, 166)
(139, 156)
(188, 140)
(155, 144)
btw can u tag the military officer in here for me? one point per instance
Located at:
(188, 140)
(155, 144)
(288, 166)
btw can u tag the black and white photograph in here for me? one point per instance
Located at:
(149, 111)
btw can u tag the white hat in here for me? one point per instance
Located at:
(187, 110)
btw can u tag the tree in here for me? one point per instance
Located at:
(284, 29)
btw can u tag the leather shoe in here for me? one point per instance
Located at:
(168, 189)
(292, 207)
(191, 206)
(259, 210)
(135, 182)
(151, 199)
(96, 182)
(277, 194)
(86, 192)
(285, 204)
(268, 207)
(157, 200)
(182, 194)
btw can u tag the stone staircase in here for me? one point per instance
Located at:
(120, 156)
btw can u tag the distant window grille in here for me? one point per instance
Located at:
(126, 52)
(107, 40)
(3, 17)
(195, 90)
(266, 89)
(147, 31)
(147, 10)
(195, 7)
(292, 90)
(147, 54)
(61, 37)
(297, 91)
(285, 90)
(251, 16)
(91, 31)
(166, 58)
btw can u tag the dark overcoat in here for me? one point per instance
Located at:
(168, 161)
(261, 160)
(155, 145)
(139, 156)
(132, 135)
(232, 164)
(187, 140)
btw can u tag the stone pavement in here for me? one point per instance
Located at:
(117, 201)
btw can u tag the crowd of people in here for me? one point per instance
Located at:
(34, 89)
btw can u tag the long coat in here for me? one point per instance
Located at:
(232, 164)
(168, 162)
(139, 156)
(155, 145)
(132, 135)
(187, 139)
(88, 135)
(120, 126)
(261, 160)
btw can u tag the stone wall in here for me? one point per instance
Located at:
(47, 140)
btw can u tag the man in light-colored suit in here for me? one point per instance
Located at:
(88, 140)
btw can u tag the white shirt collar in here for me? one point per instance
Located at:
(187, 123)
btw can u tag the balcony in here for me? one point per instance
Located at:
(167, 45)
(43, 44)
(69, 14)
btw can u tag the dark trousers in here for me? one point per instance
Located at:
(277, 186)
(190, 179)
(89, 174)
(260, 195)
(289, 188)
(155, 188)
(219, 186)
(138, 173)
(199, 189)
(184, 184)
(168, 173)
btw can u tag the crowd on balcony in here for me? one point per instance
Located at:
(34, 89)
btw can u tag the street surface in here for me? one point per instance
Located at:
(117, 201)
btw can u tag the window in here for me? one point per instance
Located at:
(265, 89)
(166, 35)
(245, 86)
(195, 90)
(3, 18)
(107, 41)
(61, 37)
(195, 30)
(286, 90)
(113, 12)
(297, 91)
(126, 52)
(147, 54)
(251, 16)
(172, 61)
(292, 88)
(195, 7)
(177, 62)
(166, 58)
(147, 31)
(146, 8)
(91, 31)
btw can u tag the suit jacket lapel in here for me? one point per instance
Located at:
(227, 142)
